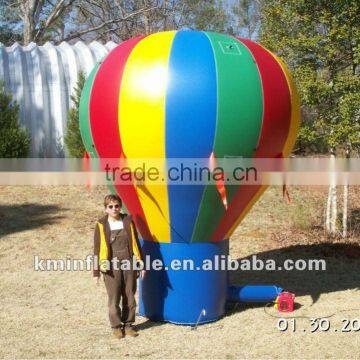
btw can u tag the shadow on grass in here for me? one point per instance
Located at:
(342, 269)
(16, 218)
(149, 324)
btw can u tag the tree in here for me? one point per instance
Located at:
(9, 32)
(72, 138)
(7, 36)
(117, 20)
(320, 42)
(41, 20)
(205, 15)
(246, 16)
(14, 140)
(149, 16)
(138, 17)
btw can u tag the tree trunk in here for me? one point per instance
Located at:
(146, 23)
(345, 210)
(334, 210)
(345, 200)
(29, 13)
(331, 206)
(165, 25)
(328, 212)
(29, 27)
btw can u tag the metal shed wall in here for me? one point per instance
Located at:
(42, 79)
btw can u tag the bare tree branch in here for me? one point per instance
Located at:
(56, 12)
(76, 34)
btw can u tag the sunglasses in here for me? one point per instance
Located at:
(115, 206)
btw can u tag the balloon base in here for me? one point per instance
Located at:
(191, 286)
(195, 295)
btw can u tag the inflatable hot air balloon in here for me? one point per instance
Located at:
(188, 94)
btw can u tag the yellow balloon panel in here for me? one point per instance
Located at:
(142, 122)
(295, 109)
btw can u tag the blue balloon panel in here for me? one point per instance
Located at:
(191, 105)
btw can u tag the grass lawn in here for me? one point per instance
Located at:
(64, 314)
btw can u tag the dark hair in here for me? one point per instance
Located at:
(109, 198)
